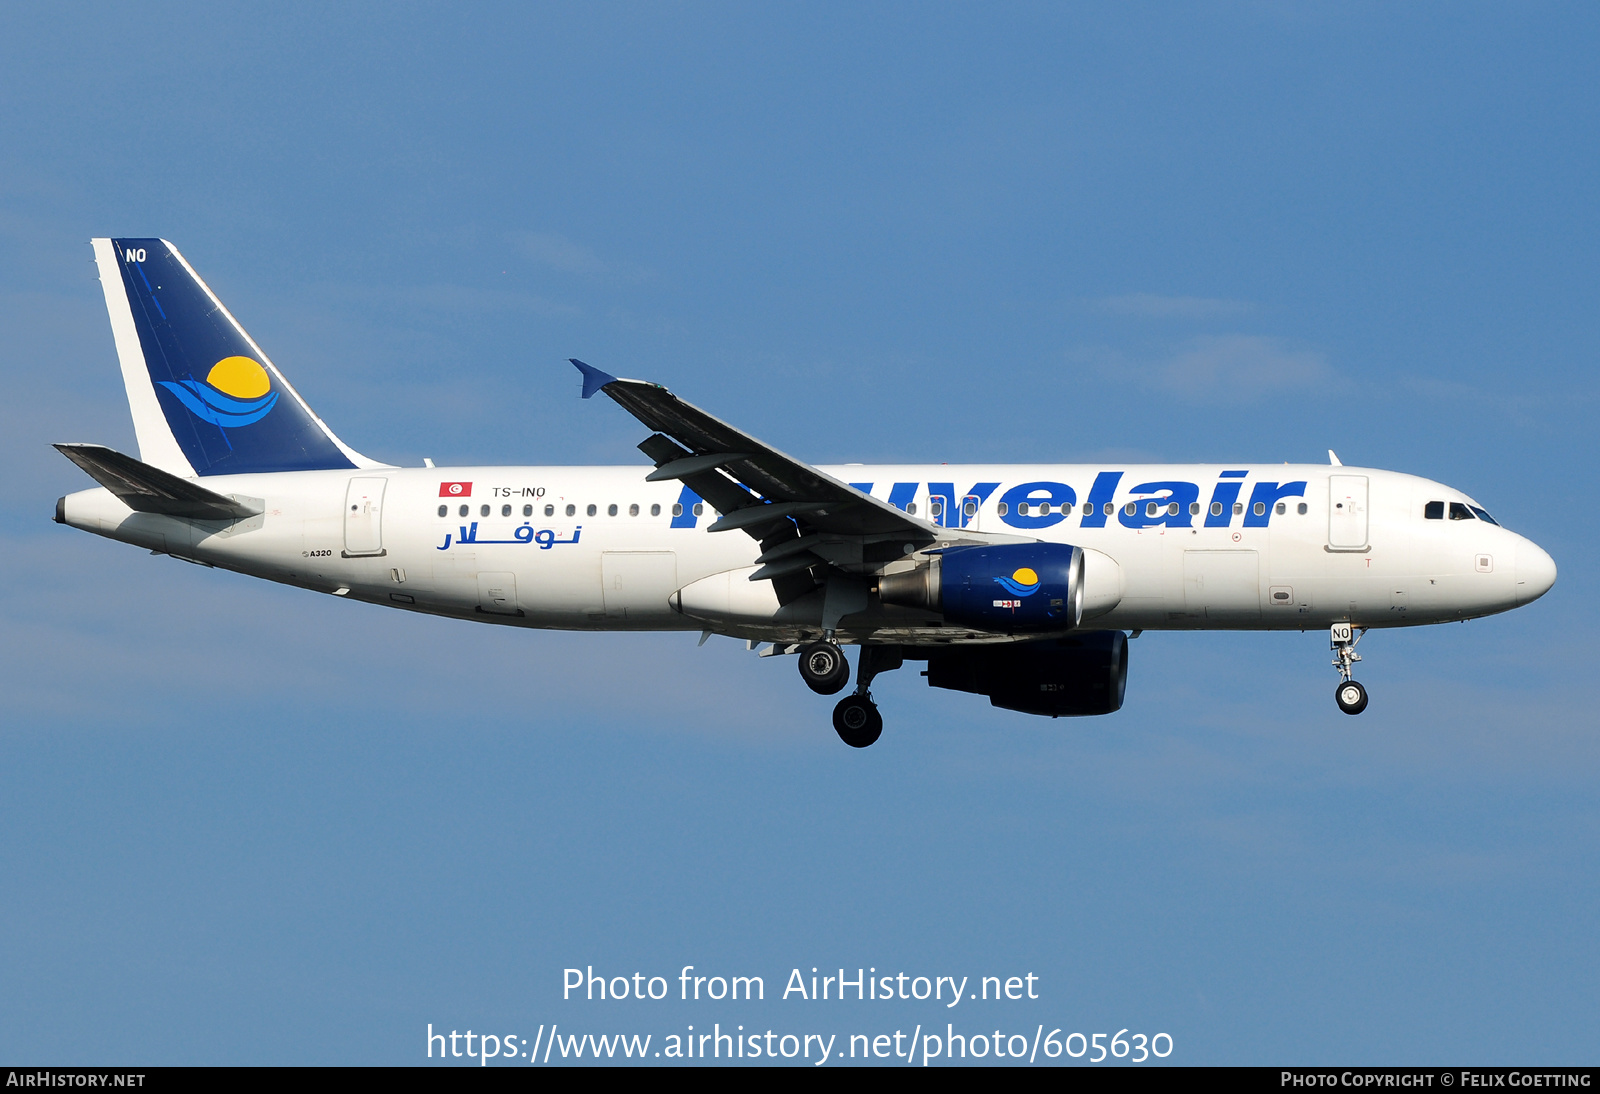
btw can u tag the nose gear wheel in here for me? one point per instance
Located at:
(1351, 697)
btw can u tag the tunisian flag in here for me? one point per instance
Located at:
(455, 490)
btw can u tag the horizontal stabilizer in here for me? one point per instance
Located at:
(147, 489)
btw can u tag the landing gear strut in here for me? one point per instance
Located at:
(856, 718)
(1351, 696)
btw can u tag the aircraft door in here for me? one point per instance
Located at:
(1347, 512)
(363, 518)
(1222, 586)
(939, 511)
(636, 585)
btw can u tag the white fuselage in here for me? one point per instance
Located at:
(1361, 551)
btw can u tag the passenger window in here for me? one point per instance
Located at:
(1194, 509)
(463, 510)
(911, 508)
(1261, 508)
(1301, 509)
(1172, 509)
(1002, 509)
(483, 510)
(935, 507)
(1023, 509)
(444, 510)
(1281, 509)
(1044, 509)
(970, 508)
(1216, 508)
(1109, 508)
(655, 510)
(505, 510)
(1459, 511)
(1238, 507)
(1088, 508)
(1151, 509)
(1434, 510)
(1132, 508)
(572, 510)
(549, 510)
(677, 509)
(592, 510)
(527, 510)
(633, 510)
(611, 510)
(699, 509)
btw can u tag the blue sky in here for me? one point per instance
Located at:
(245, 823)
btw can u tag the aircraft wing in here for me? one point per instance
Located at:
(790, 507)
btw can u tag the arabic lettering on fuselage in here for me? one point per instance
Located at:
(545, 538)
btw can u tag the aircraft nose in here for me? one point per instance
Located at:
(1535, 572)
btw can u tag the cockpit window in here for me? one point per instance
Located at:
(1459, 511)
(1434, 510)
(1485, 516)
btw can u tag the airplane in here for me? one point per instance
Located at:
(1021, 583)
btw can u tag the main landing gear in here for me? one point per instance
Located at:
(825, 671)
(823, 667)
(857, 721)
(1351, 696)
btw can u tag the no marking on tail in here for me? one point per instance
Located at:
(205, 399)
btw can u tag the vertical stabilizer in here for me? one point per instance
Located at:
(205, 399)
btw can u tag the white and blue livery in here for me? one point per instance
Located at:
(1020, 583)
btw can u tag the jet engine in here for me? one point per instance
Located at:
(1080, 674)
(1015, 588)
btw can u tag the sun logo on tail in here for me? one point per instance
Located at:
(1022, 582)
(237, 391)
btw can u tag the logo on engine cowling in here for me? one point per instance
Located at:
(1022, 582)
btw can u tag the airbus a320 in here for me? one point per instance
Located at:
(1021, 583)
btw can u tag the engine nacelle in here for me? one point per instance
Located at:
(1015, 588)
(1080, 674)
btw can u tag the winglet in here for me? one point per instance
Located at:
(1334, 460)
(593, 378)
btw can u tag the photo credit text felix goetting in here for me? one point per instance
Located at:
(982, 1018)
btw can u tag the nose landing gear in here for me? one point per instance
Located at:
(1342, 639)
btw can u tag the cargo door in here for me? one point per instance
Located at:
(363, 518)
(637, 584)
(1222, 586)
(1347, 512)
(497, 594)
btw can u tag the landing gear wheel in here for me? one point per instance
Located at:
(857, 721)
(824, 668)
(1351, 697)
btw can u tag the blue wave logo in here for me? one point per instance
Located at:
(1022, 582)
(236, 392)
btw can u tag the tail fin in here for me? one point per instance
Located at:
(205, 399)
